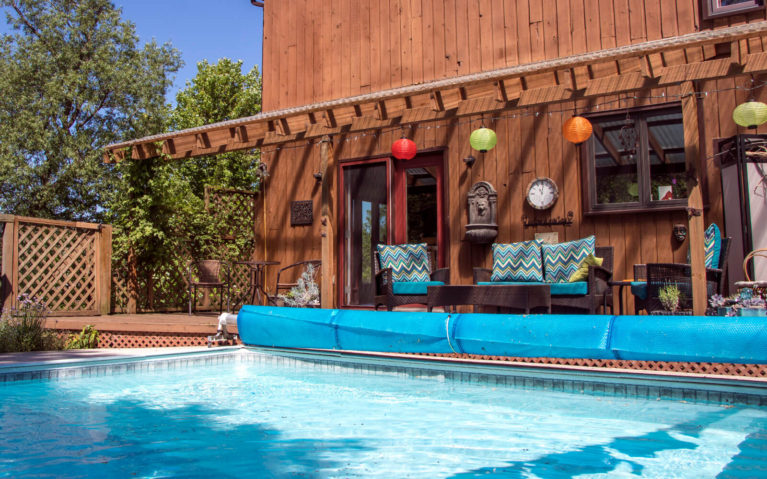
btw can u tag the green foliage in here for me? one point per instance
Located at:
(74, 80)
(219, 92)
(159, 213)
(88, 338)
(22, 329)
(670, 297)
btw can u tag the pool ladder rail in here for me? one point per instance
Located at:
(223, 336)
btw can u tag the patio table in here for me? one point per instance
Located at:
(258, 278)
(513, 296)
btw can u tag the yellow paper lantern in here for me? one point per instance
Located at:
(483, 139)
(577, 130)
(750, 114)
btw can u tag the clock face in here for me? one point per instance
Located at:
(542, 193)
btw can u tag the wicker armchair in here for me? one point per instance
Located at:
(384, 284)
(715, 278)
(210, 274)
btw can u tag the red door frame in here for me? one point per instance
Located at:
(399, 195)
(396, 198)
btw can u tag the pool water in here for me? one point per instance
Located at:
(293, 419)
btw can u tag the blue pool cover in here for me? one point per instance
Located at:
(650, 338)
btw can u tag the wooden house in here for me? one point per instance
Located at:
(344, 79)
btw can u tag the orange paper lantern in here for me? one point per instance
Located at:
(577, 130)
(403, 149)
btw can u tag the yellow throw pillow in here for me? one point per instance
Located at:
(582, 273)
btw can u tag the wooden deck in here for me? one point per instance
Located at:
(144, 330)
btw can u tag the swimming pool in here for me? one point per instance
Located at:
(256, 413)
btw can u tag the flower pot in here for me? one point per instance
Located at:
(723, 310)
(681, 312)
(752, 312)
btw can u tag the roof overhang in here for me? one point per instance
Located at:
(696, 56)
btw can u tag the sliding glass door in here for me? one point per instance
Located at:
(386, 201)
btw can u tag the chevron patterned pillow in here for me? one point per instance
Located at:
(409, 262)
(561, 260)
(517, 261)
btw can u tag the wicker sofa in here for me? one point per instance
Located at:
(581, 297)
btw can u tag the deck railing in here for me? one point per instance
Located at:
(65, 264)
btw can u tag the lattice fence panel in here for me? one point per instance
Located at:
(163, 287)
(57, 265)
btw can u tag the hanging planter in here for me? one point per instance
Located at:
(403, 149)
(483, 139)
(577, 130)
(750, 114)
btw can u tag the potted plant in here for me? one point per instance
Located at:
(670, 297)
(742, 304)
(306, 292)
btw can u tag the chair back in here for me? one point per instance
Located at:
(431, 253)
(287, 277)
(207, 271)
(606, 253)
(661, 274)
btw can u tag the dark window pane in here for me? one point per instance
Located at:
(665, 138)
(364, 226)
(615, 161)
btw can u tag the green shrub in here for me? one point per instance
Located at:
(87, 339)
(23, 328)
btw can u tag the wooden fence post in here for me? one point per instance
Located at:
(104, 270)
(8, 263)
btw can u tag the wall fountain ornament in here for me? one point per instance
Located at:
(483, 226)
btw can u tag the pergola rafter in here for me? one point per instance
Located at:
(696, 56)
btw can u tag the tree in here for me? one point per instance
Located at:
(160, 216)
(219, 92)
(74, 80)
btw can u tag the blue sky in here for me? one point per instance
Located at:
(199, 29)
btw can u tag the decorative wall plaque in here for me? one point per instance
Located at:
(301, 213)
(482, 227)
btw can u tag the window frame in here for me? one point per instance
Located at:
(713, 9)
(644, 179)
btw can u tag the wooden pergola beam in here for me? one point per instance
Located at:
(599, 73)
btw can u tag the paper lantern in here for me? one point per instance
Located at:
(577, 130)
(403, 149)
(483, 139)
(750, 114)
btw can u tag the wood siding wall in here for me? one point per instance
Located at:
(315, 51)
(321, 50)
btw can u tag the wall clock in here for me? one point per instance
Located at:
(542, 193)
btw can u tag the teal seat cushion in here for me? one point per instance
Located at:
(517, 261)
(712, 241)
(408, 262)
(557, 289)
(413, 287)
(639, 289)
(561, 260)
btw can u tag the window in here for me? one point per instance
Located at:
(722, 8)
(635, 161)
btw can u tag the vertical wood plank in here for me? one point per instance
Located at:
(328, 221)
(694, 200)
